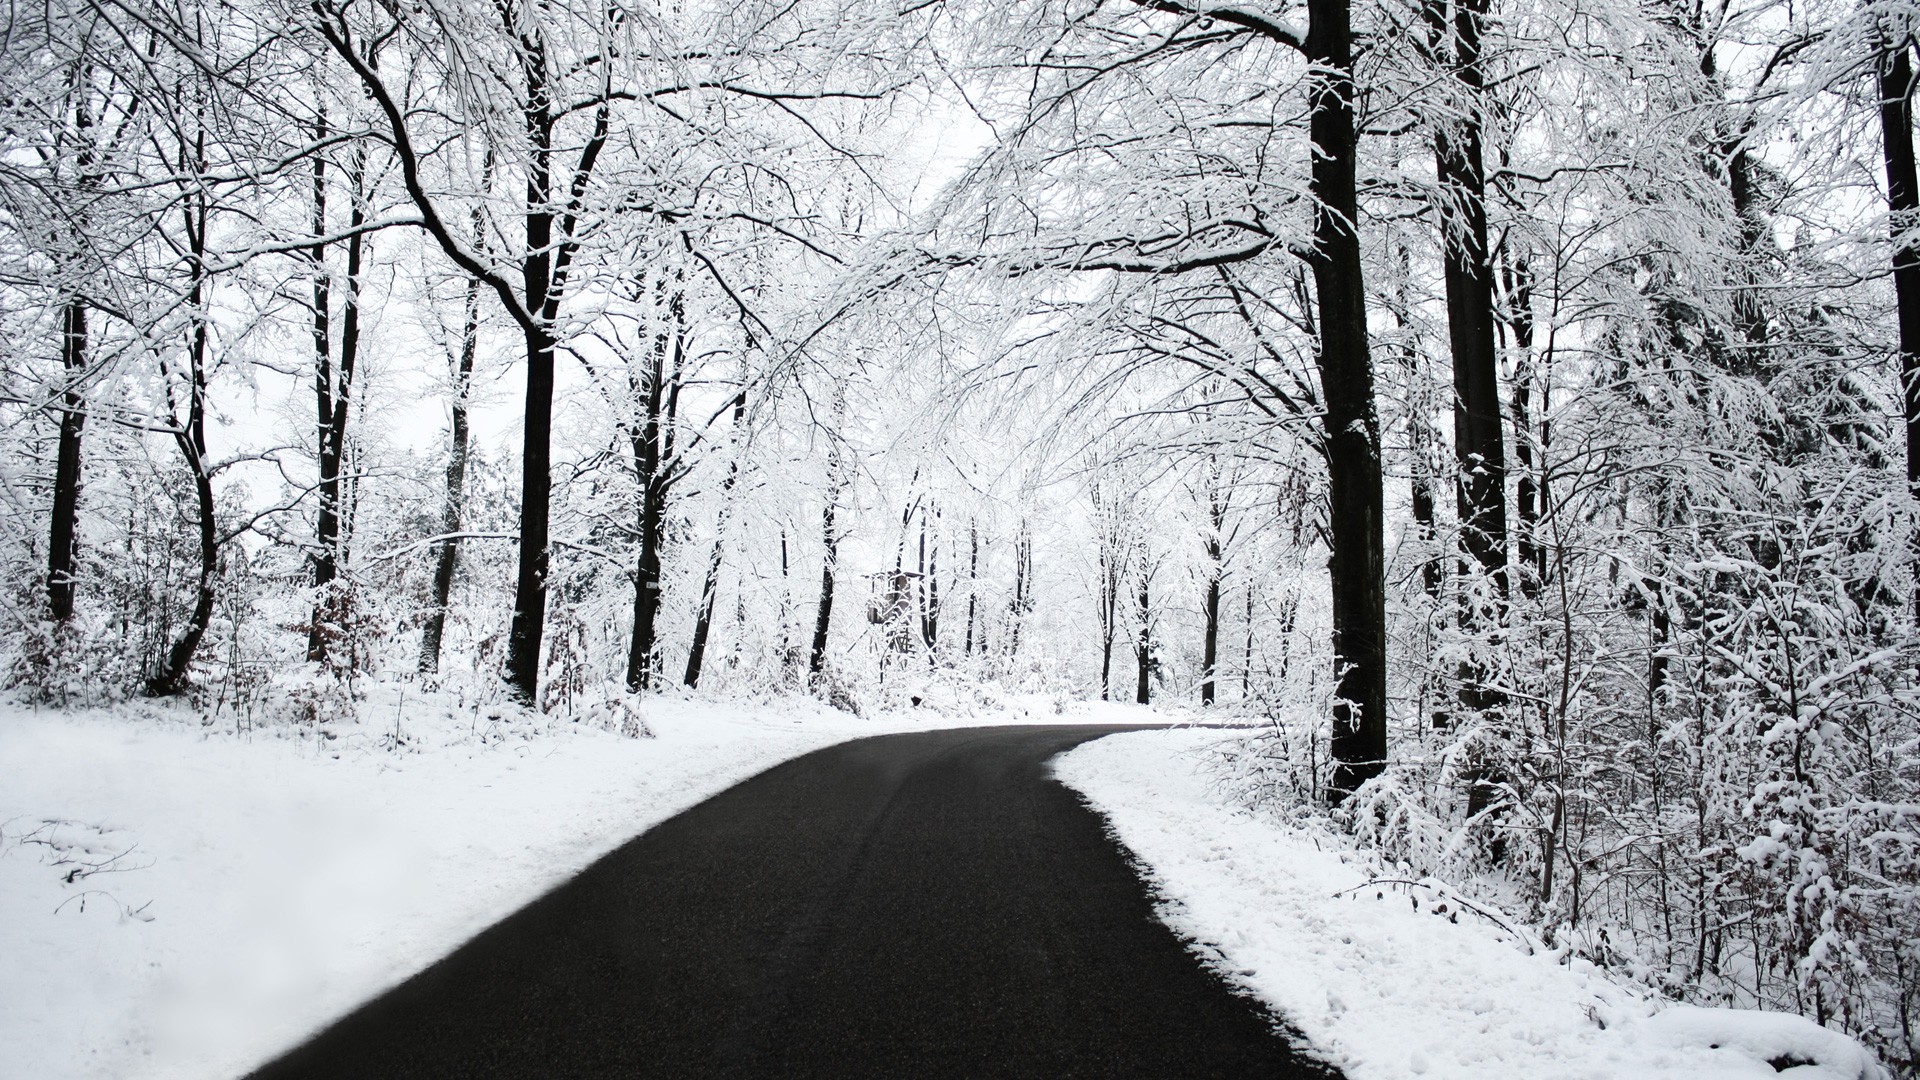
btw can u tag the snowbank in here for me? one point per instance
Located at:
(1402, 979)
(180, 901)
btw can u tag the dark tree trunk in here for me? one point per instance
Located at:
(1478, 435)
(789, 660)
(1356, 562)
(333, 390)
(1109, 616)
(973, 577)
(63, 545)
(1432, 567)
(830, 537)
(1903, 205)
(653, 462)
(1533, 554)
(64, 528)
(930, 583)
(710, 587)
(1478, 432)
(191, 438)
(451, 520)
(1421, 438)
(1143, 649)
(1216, 545)
(530, 582)
(536, 479)
(1210, 661)
(1246, 660)
(1749, 312)
(1660, 627)
(324, 518)
(1022, 589)
(453, 515)
(1287, 620)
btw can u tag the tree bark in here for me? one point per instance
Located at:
(830, 537)
(1478, 431)
(1356, 563)
(1109, 615)
(1210, 661)
(453, 514)
(973, 577)
(332, 393)
(63, 543)
(710, 587)
(191, 438)
(530, 581)
(1903, 205)
(1478, 435)
(1022, 589)
(1143, 648)
(1216, 571)
(930, 584)
(653, 461)
(1246, 660)
(1527, 493)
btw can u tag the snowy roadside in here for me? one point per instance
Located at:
(1396, 982)
(186, 902)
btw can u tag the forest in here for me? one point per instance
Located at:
(1510, 407)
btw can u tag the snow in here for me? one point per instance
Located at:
(187, 901)
(1386, 977)
(232, 892)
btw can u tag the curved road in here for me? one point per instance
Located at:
(900, 907)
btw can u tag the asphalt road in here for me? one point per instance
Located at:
(907, 906)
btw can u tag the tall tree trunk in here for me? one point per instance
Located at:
(653, 466)
(333, 389)
(322, 311)
(63, 529)
(453, 514)
(1022, 588)
(1356, 562)
(1533, 554)
(789, 659)
(1143, 649)
(1903, 206)
(63, 544)
(1421, 438)
(830, 538)
(191, 438)
(1478, 431)
(1211, 649)
(973, 577)
(1109, 615)
(1478, 434)
(536, 485)
(1420, 433)
(1749, 312)
(710, 587)
(1216, 546)
(930, 583)
(1246, 660)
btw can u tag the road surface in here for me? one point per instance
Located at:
(902, 907)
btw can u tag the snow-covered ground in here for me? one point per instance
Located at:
(180, 901)
(186, 901)
(1403, 981)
